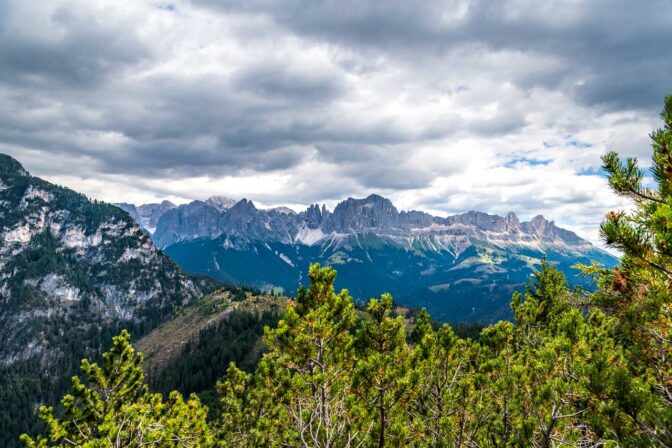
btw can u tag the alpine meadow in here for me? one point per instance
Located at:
(335, 224)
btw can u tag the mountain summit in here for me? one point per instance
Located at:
(372, 212)
(219, 215)
(462, 267)
(221, 203)
(11, 167)
(147, 215)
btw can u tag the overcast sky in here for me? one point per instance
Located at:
(442, 106)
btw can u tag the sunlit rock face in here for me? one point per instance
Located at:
(67, 264)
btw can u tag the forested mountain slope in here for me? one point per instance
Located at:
(72, 272)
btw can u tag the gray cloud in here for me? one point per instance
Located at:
(315, 101)
(612, 53)
(77, 50)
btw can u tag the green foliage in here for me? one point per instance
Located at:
(383, 378)
(638, 294)
(313, 347)
(46, 335)
(368, 265)
(205, 359)
(559, 376)
(114, 408)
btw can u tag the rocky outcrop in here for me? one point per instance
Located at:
(65, 258)
(147, 215)
(189, 221)
(351, 215)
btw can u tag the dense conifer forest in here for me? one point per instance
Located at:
(574, 368)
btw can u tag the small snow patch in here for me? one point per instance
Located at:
(309, 236)
(286, 259)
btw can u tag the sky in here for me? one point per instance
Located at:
(441, 106)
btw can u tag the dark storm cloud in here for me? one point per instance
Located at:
(277, 81)
(614, 53)
(79, 50)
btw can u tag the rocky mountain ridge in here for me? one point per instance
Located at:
(373, 214)
(462, 267)
(147, 215)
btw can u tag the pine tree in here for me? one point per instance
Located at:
(315, 345)
(253, 406)
(639, 293)
(114, 408)
(383, 376)
(440, 409)
(555, 344)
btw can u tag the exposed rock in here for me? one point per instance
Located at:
(66, 257)
(373, 214)
(221, 203)
(147, 215)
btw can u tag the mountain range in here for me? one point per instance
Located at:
(74, 271)
(462, 267)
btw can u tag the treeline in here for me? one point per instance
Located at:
(574, 369)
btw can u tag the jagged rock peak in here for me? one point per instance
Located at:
(313, 216)
(542, 228)
(373, 211)
(221, 202)
(474, 218)
(9, 165)
(512, 218)
(538, 225)
(243, 205)
(313, 208)
(511, 222)
(371, 201)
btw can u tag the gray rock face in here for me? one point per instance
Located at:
(64, 258)
(373, 214)
(147, 215)
(194, 220)
(150, 214)
(132, 210)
